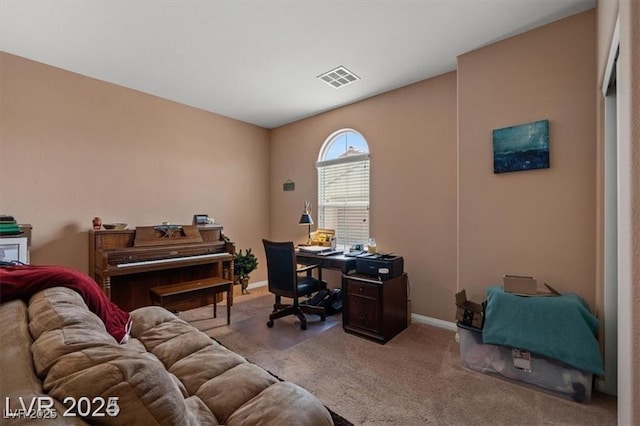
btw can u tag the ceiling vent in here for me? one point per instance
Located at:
(338, 77)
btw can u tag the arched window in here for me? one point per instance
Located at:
(343, 187)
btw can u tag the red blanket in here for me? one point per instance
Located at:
(23, 281)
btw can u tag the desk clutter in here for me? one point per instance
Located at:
(548, 343)
(382, 266)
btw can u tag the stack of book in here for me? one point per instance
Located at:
(9, 226)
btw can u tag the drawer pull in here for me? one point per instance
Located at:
(363, 316)
(361, 289)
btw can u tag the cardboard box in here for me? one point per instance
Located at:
(526, 286)
(467, 312)
(523, 367)
(323, 237)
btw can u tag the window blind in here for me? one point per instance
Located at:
(343, 198)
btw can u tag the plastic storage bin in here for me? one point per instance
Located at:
(522, 367)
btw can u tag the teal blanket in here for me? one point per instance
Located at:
(560, 327)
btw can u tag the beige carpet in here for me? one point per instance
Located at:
(414, 379)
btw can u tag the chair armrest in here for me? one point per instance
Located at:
(307, 268)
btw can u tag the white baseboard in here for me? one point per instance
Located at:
(448, 325)
(257, 284)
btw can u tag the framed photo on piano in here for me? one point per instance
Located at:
(200, 219)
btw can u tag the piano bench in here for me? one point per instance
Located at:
(192, 294)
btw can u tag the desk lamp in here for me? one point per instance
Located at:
(306, 219)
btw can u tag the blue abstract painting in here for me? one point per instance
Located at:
(522, 147)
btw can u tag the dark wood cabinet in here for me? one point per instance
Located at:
(374, 309)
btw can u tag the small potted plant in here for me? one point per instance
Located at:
(243, 265)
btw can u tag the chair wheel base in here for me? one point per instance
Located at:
(303, 326)
(270, 323)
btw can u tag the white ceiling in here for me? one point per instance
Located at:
(257, 61)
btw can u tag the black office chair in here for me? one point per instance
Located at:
(285, 281)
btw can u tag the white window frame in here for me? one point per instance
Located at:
(346, 235)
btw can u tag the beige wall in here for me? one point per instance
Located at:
(538, 222)
(411, 134)
(72, 148)
(89, 148)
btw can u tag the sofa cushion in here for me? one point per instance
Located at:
(16, 371)
(201, 412)
(207, 363)
(61, 324)
(43, 318)
(17, 376)
(222, 379)
(87, 362)
(167, 373)
(146, 393)
(267, 408)
(173, 341)
(227, 392)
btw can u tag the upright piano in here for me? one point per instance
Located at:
(128, 263)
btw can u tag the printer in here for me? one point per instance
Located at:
(370, 264)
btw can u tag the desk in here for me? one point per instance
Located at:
(339, 262)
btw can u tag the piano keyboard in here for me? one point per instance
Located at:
(169, 260)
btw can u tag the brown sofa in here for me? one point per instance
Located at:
(168, 373)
